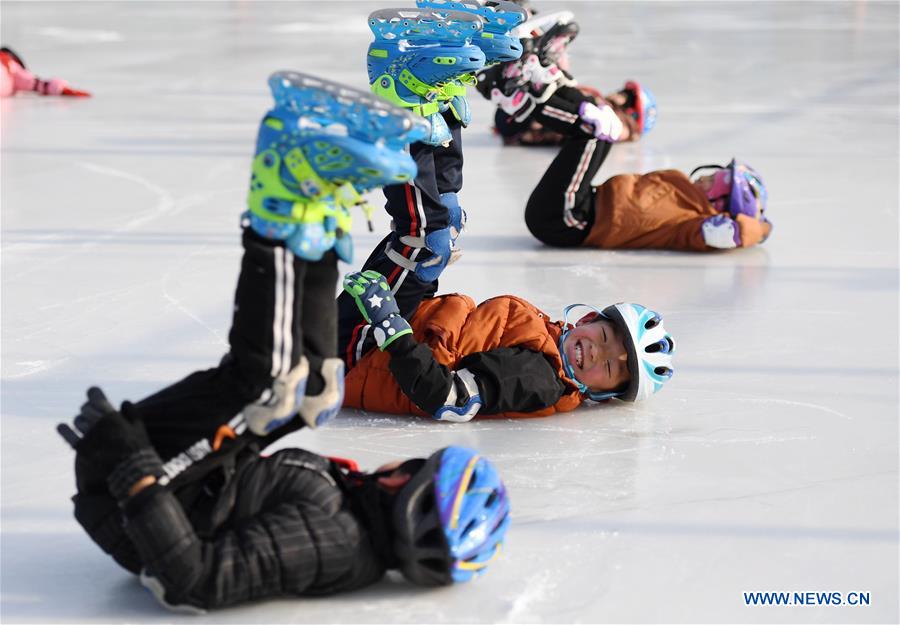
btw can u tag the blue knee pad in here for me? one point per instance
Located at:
(440, 131)
(457, 215)
(439, 244)
(459, 106)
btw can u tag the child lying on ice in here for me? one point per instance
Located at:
(544, 64)
(14, 77)
(234, 526)
(454, 360)
(662, 209)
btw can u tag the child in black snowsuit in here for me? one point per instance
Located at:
(235, 526)
(174, 487)
(217, 533)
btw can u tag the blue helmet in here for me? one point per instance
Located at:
(450, 519)
(650, 348)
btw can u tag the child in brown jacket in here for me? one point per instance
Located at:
(660, 210)
(663, 209)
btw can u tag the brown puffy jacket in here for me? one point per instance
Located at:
(662, 210)
(454, 327)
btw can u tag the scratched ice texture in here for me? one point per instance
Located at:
(770, 463)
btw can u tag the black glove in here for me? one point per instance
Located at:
(116, 447)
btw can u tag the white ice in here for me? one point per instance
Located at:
(770, 463)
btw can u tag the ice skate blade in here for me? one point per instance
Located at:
(500, 16)
(417, 25)
(365, 116)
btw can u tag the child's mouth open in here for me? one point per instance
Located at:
(579, 354)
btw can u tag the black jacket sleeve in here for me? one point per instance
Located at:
(510, 379)
(290, 532)
(514, 379)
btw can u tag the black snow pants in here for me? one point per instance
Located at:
(416, 210)
(566, 184)
(284, 309)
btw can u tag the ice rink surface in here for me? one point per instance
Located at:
(770, 463)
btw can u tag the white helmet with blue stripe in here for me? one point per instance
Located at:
(650, 348)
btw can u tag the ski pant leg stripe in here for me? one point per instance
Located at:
(278, 316)
(288, 327)
(560, 114)
(589, 148)
(400, 280)
(398, 268)
(413, 226)
(394, 273)
(351, 343)
(420, 206)
(417, 229)
(361, 341)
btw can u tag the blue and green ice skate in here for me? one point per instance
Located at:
(320, 147)
(499, 17)
(422, 60)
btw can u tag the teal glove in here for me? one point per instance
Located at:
(375, 301)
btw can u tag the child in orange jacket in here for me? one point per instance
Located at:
(454, 360)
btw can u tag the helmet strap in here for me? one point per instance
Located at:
(702, 167)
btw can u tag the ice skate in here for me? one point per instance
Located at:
(325, 102)
(421, 60)
(537, 74)
(320, 147)
(500, 19)
(550, 41)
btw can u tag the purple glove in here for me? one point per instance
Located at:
(602, 122)
(720, 231)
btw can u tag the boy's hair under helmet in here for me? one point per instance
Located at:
(650, 348)
(740, 187)
(450, 518)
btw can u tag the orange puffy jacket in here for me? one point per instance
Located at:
(454, 327)
(662, 210)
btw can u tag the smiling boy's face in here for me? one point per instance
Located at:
(597, 352)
